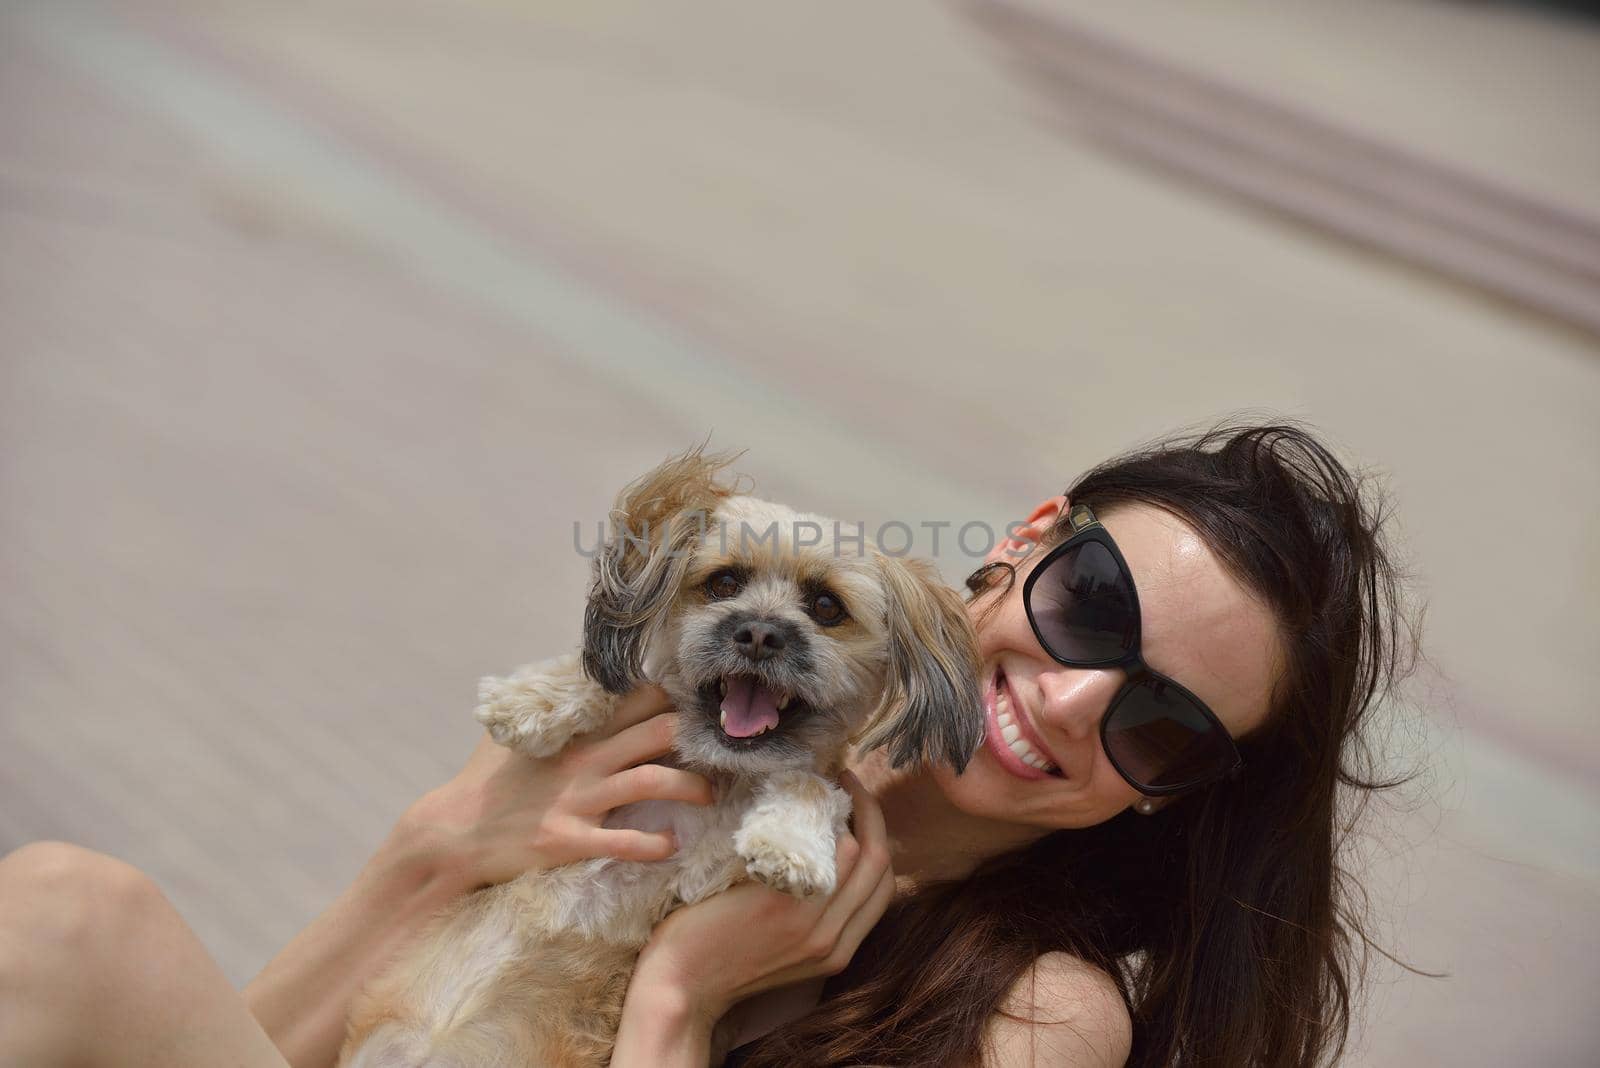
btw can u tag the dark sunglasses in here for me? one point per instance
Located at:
(1084, 610)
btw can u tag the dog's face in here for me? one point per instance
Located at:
(774, 654)
(777, 643)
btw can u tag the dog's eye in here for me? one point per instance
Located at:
(723, 584)
(827, 609)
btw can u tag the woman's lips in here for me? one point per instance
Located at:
(1009, 736)
(1024, 721)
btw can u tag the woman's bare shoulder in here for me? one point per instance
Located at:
(1062, 1013)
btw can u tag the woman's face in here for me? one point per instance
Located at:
(1198, 626)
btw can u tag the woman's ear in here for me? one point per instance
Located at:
(1021, 538)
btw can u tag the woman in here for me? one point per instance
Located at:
(1140, 864)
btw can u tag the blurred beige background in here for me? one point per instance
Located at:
(320, 325)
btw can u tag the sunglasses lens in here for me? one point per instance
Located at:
(1159, 738)
(1083, 606)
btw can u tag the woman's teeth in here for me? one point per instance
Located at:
(1013, 736)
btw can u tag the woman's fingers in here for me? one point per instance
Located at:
(632, 845)
(867, 815)
(846, 852)
(861, 922)
(638, 705)
(862, 854)
(863, 879)
(651, 782)
(636, 744)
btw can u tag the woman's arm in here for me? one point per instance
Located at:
(662, 1026)
(301, 999)
(1062, 1013)
(504, 814)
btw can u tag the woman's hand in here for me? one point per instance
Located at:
(501, 816)
(713, 954)
(506, 813)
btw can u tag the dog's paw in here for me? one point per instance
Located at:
(786, 860)
(539, 709)
(508, 728)
(510, 718)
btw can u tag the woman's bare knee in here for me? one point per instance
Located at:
(97, 968)
(61, 867)
(72, 923)
(77, 905)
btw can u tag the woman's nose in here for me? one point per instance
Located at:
(1075, 699)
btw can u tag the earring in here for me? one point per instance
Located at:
(1145, 807)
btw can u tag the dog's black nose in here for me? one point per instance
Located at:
(758, 640)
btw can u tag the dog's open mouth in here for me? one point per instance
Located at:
(749, 710)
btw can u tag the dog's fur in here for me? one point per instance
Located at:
(533, 972)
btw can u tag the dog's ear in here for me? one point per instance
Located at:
(654, 527)
(931, 700)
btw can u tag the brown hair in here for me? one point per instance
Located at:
(1232, 930)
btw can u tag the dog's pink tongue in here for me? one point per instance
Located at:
(750, 708)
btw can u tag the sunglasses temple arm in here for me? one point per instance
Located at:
(1081, 518)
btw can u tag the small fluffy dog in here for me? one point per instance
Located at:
(778, 649)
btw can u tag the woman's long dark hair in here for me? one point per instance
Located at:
(1235, 935)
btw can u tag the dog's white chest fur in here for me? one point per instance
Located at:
(620, 900)
(704, 835)
(782, 830)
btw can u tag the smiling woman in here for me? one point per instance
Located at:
(1141, 863)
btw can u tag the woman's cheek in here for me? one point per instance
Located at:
(981, 790)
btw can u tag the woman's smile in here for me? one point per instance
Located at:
(1010, 734)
